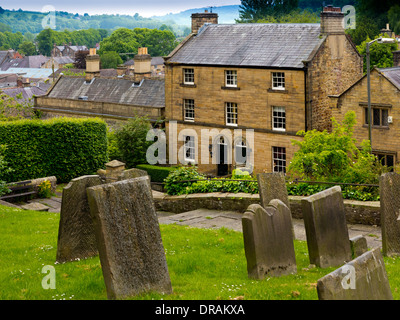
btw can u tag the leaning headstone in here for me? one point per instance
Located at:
(389, 189)
(363, 278)
(272, 186)
(76, 238)
(326, 229)
(268, 240)
(129, 238)
(131, 174)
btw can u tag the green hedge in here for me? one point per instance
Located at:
(63, 147)
(156, 173)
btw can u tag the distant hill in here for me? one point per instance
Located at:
(226, 14)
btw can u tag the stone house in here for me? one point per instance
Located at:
(67, 50)
(270, 79)
(385, 111)
(57, 62)
(115, 99)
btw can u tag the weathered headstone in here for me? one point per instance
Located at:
(272, 186)
(358, 246)
(363, 278)
(129, 238)
(326, 229)
(131, 174)
(389, 189)
(268, 240)
(76, 237)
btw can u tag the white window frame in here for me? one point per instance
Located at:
(279, 118)
(280, 163)
(231, 78)
(190, 146)
(188, 110)
(231, 114)
(278, 81)
(188, 72)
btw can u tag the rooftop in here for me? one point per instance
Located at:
(251, 44)
(150, 93)
(393, 74)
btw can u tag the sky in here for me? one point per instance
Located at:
(145, 8)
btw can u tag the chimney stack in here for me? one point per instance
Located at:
(332, 19)
(142, 65)
(199, 19)
(92, 65)
(387, 31)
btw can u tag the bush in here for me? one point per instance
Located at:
(157, 174)
(181, 174)
(63, 147)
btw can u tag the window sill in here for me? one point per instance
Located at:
(279, 130)
(188, 120)
(229, 88)
(188, 85)
(278, 90)
(377, 127)
(232, 124)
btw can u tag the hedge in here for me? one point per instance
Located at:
(63, 147)
(156, 173)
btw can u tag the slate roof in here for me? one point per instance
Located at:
(393, 74)
(154, 61)
(151, 93)
(27, 93)
(251, 44)
(25, 62)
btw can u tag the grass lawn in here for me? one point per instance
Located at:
(203, 265)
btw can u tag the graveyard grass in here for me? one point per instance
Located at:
(203, 265)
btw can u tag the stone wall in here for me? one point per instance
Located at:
(357, 212)
(334, 68)
(383, 94)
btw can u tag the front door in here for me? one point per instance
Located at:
(222, 169)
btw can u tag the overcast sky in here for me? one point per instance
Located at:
(145, 8)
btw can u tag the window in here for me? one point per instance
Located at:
(240, 152)
(189, 148)
(231, 113)
(231, 78)
(278, 80)
(279, 159)
(188, 109)
(379, 117)
(188, 76)
(386, 159)
(278, 118)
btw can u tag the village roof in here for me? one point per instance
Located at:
(155, 61)
(149, 93)
(393, 74)
(25, 62)
(251, 44)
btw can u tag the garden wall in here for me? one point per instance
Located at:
(357, 212)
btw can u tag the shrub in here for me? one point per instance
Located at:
(44, 189)
(3, 169)
(181, 174)
(63, 147)
(156, 173)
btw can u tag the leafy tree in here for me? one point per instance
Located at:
(394, 18)
(131, 141)
(80, 59)
(254, 10)
(380, 54)
(296, 16)
(365, 28)
(324, 156)
(27, 48)
(110, 60)
(46, 39)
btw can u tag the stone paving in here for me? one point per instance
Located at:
(204, 218)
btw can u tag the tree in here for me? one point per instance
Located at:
(27, 48)
(334, 156)
(110, 60)
(254, 10)
(131, 141)
(381, 55)
(46, 40)
(394, 18)
(80, 59)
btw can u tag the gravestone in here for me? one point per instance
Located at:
(272, 186)
(389, 189)
(76, 238)
(131, 174)
(358, 245)
(326, 229)
(129, 239)
(268, 240)
(363, 278)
